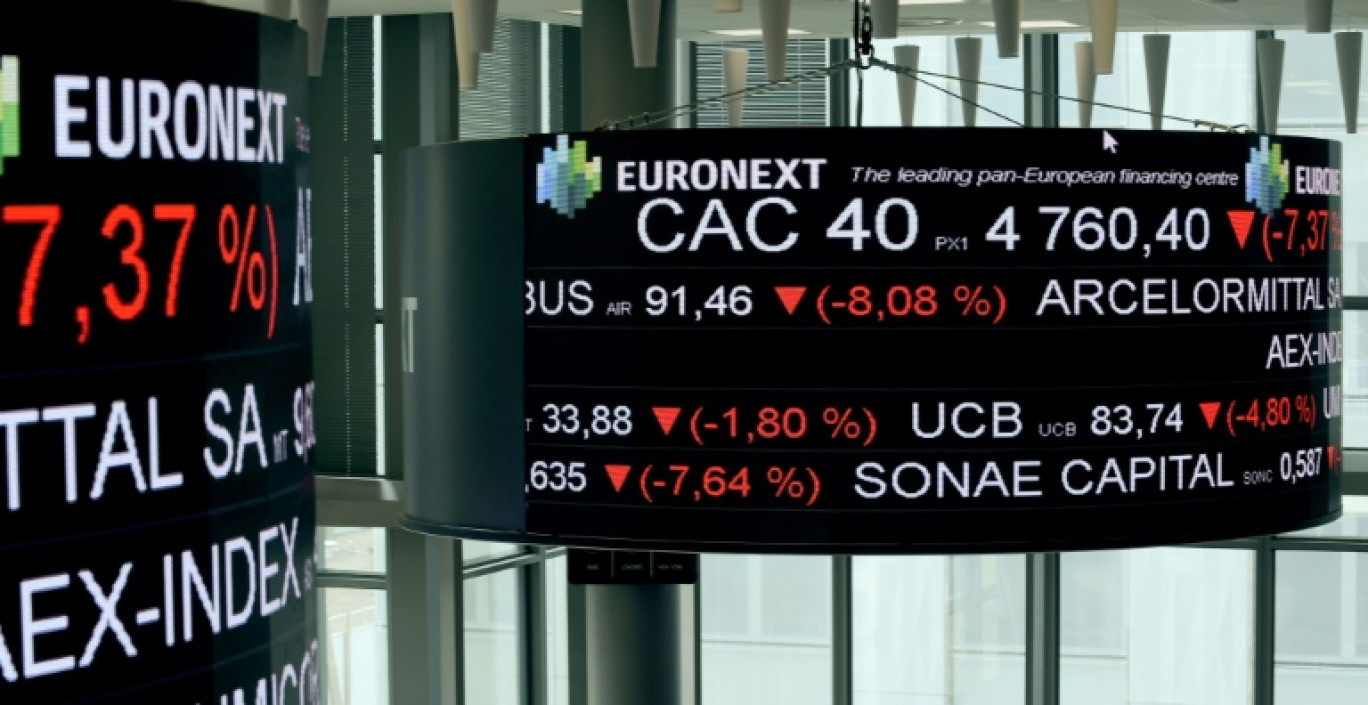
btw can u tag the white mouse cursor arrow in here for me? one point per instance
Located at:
(1109, 143)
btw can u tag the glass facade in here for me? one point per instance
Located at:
(935, 630)
(1321, 627)
(356, 652)
(494, 661)
(1171, 625)
(1353, 525)
(350, 549)
(1193, 56)
(763, 616)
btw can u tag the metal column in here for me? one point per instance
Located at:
(1041, 80)
(419, 103)
(634, 635)
(635, 653)
(842, 631)
(1042, 629)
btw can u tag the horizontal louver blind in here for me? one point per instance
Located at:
(342, 176)
(556, 68)
(792, 106)
(507, 100)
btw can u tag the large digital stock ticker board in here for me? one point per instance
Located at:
(874, 340)
(156, 439)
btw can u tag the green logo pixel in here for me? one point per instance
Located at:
(9, 109)
(567, 178)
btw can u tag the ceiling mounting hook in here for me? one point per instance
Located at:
(864, 33)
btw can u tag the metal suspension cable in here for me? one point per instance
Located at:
(651, 118)
(919, 75)
(903, 70)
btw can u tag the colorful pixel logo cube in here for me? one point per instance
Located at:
(567, 178)
(9, 109)
(1266, 177)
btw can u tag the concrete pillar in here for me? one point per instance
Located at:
(611, 85)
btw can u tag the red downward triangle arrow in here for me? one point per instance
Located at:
(1210, 409)
(1241, 221)
(790, 295)
(665, 416)
(618, 475)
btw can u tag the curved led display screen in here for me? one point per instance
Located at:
(873, 340)
(156, 486)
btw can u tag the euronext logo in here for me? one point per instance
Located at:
(567, 178)
(9, 109)
(1266, 177)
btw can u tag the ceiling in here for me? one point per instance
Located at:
(832, 18)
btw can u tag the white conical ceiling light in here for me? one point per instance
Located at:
(1349, 54)
(1007, 23)
(468, 69)
(1086, 79)
(1270, 52)
(279, 9)
(467, 59)
(969, 51)
(313, 17)
(482, 14)
(1156, 75)
(883, 16)
(1102, 17)
(774, 25)
(734, 63)
(907, 56)
(1318, 14)
(644, 18)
